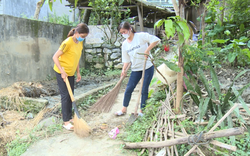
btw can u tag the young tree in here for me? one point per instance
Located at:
(38, 8)
(177, 25)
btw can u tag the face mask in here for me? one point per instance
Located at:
(126, 35)
(79, 39)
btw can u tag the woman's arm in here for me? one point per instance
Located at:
(152, 45)
(56, 61)
(78, 73)
(125, 65)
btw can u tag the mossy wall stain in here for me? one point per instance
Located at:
(35, 26)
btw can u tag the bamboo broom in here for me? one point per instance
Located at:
(105, 103)
(81, 128)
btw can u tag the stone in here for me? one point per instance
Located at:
(117, 61)
(97, 45)
(116, 50)
(106, 57)
(92, 51)
(48, 122)
(89, 58)
(115, 55)
(106, 50)
(108, 46)
(109, 64)
(98, 50)
(118, 66)
(117, 44)
(99, 66)
(88, 46)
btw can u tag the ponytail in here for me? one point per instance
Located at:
(71, 32)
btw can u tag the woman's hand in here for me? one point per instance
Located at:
(146, 54)
(124, 73)
(78, 77)
(64, 75)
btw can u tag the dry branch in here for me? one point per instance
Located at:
(183, 140)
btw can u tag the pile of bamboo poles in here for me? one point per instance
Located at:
(161, 138)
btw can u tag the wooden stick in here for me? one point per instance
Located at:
(183, 140)
(214, 127)
(223, 145)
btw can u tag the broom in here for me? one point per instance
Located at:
(81, 128)
(105, 103)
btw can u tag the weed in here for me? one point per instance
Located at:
(19, 145)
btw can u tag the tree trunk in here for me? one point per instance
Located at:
(179, 83)
(222, 11)
(176, 8)
(184, 140)
(38, 9)
(86, 16)
(179, 95)
(203, 26)
(140, 15)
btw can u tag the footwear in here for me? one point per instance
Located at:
(69, 127)
(120, 113)
(140, 114)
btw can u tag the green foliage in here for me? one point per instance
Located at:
(108, 14)
(175, 24)
(136, 131)
(209, 102)
(64, 19)
(242, 142)
(231, 33)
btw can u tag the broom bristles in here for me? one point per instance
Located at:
(81, 128)
(105, 103)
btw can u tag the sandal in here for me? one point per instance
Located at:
(69, 127)
(120, 113)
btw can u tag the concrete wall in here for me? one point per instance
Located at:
(26, 49)
(26, 8)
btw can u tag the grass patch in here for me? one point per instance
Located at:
(20, 144)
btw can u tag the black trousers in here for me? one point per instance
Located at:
(65, 98)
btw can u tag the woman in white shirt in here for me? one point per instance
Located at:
(135, 44)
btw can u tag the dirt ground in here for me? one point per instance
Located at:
(97, 144)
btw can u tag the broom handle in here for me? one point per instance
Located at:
(123, 77)
(69, 89)
(142, 79)
(72, 97)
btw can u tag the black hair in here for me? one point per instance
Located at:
(127, 26)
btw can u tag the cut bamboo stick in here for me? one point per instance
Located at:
(183, 140)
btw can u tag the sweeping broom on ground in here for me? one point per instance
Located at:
(81, 128)
(105, 103)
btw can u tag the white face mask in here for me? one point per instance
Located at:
(126, 35)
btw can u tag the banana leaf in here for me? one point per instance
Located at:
(241, 100)
(215, 81)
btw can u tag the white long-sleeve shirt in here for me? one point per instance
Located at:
(139, 44)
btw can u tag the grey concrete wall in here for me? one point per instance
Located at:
(26, 8)
(26, 49)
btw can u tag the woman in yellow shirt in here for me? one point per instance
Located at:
(66, 61)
